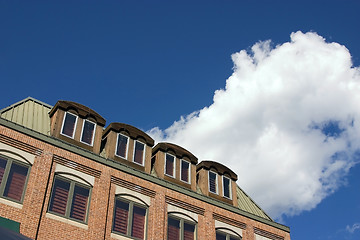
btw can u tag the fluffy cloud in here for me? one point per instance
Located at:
(287, 122)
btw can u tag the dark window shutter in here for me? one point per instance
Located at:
(138, 224)
(189, 231)
(173, 229)
(121, 217)
(59, 197)
(185, 171)
(226, 187)
(88, 132)
(220, 236)
(139, 153)
(169, 165)
(121, 146)
(16, 182)
(79, 203)
(69, 124)
(2, 168)
(212, 182)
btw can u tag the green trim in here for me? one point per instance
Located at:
(10, 224)
(116, 165)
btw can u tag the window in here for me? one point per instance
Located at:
(69, 125)
(88, 132)
(69, 199)
(213, 182)
(180, 229)
(129, 218)
(220, 235)
(139, 152)
(122, 145)
(185, 171)
(13, 178)
(226, 187)
(170, 165)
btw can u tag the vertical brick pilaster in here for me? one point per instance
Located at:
(206, 225)
(157, 217)
(248, 233)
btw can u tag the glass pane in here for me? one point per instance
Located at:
(185, 171)
(226, 187)
(234, 238)
(173, 229)
(16, 182)
(79, 203)
(59, 196)
(220, 236)
(88, 132)
(121, 217)
(169, 165)
(69, 125)
(121, 146)
(189, 231)
(2, 168)
(212, 182)
(139, 152)
(138, 222)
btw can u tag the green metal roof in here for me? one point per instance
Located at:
(30, 113)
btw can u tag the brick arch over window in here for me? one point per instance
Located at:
(181, 226)
(178, 151)
(15, 155)
(223, 233)
(220, 169)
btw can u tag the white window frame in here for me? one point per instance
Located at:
(216, 182)
(189, 171)
(230, 188)
(82, 131)
(143, 157)
(127, 145)
(75, 124)
(174, 166)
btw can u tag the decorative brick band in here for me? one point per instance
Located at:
(133, 187)
(77, 166)
(20, 145)
(229, 221)
(267, 234)
(184, 205)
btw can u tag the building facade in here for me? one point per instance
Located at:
(64, 174)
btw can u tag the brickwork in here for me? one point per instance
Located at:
(38, 223)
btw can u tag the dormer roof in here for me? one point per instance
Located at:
(179, 151)
(133, 132)
(221, 169)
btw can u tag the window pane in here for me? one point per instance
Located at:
(88, 132)
(169, 165)
(173, 229)
(139, 152)
(69, 125)
(138, 222)
(220, 236)
(121, 217)
(79, 203)
(59, 196)
(185, 171)
(226, 187)
(121, 146)
(212, 182)
(234, 238)
(16, 182)
(2, 168)
(189, 231)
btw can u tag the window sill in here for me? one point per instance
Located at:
(66, 220)
(120, 237)
(11, 203)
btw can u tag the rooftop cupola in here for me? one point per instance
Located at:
(77, 124)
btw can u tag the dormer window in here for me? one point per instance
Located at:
(88, 132)
(213, 188)
(170, 165)
(69, 125)
(122, 145)
(139, 152)
(226, 187)
(185, 171)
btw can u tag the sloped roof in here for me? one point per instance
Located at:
(30, 113)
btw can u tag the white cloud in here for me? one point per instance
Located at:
(353, 228)
(287, 122)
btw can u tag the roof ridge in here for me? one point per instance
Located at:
(23, 101)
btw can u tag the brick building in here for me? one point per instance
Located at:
(64, 174)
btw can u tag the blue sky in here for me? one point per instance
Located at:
(158, 65)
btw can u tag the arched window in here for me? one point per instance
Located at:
(180, 227)
(226, 234)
